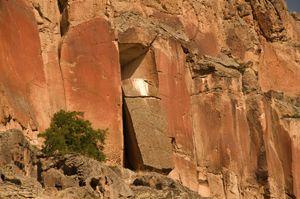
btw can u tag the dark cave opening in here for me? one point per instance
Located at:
(129, 143)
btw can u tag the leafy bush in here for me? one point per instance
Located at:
(69, 132)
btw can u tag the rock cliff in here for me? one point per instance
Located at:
(203, 91)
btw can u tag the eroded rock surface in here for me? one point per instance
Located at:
(223, 76)
(72, 176)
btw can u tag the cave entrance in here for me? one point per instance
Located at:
(137, 65)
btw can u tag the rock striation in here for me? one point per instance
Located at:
(204, 91)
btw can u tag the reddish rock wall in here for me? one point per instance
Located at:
(226, 73)
(24, 94)
(89, 61)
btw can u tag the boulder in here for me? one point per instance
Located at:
(126, 174)
(71, 171)
(149, 134)
(15, 149)
(154, 185)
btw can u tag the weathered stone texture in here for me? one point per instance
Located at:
(23, 84)
(150, 127)
(216, 81)
(72, 176)
(91, 72)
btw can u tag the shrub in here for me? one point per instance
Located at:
(69, 132)
(242, 68)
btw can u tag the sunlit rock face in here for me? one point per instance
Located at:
(203, 91)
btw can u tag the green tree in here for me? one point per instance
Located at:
(69, 132)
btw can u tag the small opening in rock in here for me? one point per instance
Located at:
(132, 159)
(172, 185)
(64, 22)
(82, 183)
(58, 187)
(19, 164)
(127, 125)
(60, 163)
(140, 182)
(94, 183)
(166, 171)
(69, 171)
(158, 186)
(39, 171)
(59, 6)
(185, 50)
(15, 181)
(2, 177)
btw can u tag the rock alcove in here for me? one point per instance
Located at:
(144, 116)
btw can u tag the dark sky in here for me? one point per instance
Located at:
(293, 5)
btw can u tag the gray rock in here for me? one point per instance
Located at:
(15, 149)
(12, 175)
(222, 66)
(98, 179)
(147, 137)
(154, 185)
(55, 179)
(72, 176)
(250, 81)
(223, 59)
(126, 174)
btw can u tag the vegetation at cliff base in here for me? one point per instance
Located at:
(69, 132)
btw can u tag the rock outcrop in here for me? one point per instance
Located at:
(72, 176)
(206, 91)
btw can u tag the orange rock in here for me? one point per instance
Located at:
(210, 64)
(169, 59)
(92, 81)
(22, 77)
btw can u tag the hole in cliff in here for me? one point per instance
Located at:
(94, 183)
(19, 164)
(69, 170)
(59, 6)
(82, 183)
(58, 187)
(64, 22)
(132, 156)
(39, 171)
(2, 177)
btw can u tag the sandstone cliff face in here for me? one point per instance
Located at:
(215, 80)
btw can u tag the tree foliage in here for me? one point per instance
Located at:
(69, 132)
